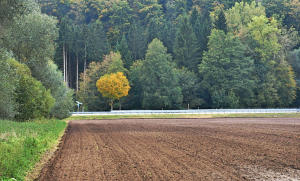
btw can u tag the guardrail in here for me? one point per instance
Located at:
(190, 111)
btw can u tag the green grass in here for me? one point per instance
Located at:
(23, 143)
(254, 115)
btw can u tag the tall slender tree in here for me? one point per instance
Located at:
(186, 49)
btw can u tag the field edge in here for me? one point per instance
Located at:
(46, 157)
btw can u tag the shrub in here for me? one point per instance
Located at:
(33, 99)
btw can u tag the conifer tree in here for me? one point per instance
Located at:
(122, 47)
(220, 23)
(186, 49)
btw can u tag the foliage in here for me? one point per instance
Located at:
(31, 38)
(8, 82)
(22, 144)
(227, 72)
(241, 14)
(189, 84)
(85, 31)
(220, 23)
(88, 93)
(185, 47)
(134, 98)
(126, 54)
(160, 84)
(97, 43)
(52, 78)
(33, 99)
(116, 63)
(113, 86)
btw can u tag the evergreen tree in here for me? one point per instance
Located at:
(202, 27)
(159, 80)
(97, 43)
(220, 23)
(137, 41)
(123, 48)
(186, 49)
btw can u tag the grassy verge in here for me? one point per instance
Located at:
(23, 143)
(254, 115)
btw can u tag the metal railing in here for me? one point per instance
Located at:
(190, 111)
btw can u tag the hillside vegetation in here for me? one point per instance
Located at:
(178, 53)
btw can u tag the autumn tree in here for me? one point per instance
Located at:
(113, 86)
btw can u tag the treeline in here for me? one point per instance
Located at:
(179, 53)
(31, 86)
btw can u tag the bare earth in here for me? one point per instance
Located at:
(178, 149)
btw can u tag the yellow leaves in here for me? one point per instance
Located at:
(113, 86)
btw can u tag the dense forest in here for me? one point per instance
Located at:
(175, 53)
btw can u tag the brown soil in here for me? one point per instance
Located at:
(178, 149)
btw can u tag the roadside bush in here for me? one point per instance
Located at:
(52, 79)
(33, 99)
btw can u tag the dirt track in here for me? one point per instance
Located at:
(178, 149)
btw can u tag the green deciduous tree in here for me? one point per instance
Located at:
(189, 84)
(227, 71)
(8, 84)
(31, 38)
(33, 99)
(241, 14)
(160, 83)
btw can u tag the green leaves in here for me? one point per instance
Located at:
(227, 71)
(160, 84)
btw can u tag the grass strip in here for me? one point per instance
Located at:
(23, 143)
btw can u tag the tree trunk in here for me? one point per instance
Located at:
(77, 86)
(84, 66)
(111, 105)
(67, 68)
(64, 59)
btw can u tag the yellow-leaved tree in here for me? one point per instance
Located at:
(113, 86)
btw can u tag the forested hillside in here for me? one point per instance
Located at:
(31, 86)
(175, 53)
(204, 53)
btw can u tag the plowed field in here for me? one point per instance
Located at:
(178, 149)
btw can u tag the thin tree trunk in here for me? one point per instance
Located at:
(77, 86)
(64, 59)
(111, 105)
(84, 67)
(67, 68)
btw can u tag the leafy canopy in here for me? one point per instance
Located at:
(113, 86)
